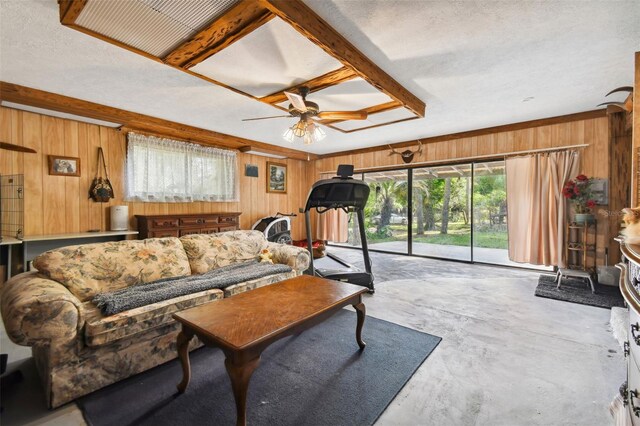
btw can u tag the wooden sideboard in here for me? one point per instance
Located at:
(177, 225)
(630, 289)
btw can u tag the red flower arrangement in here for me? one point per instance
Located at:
(578, 191)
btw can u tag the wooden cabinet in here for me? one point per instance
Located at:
(630, 289)
(178, 225)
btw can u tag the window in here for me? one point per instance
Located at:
(164, 170)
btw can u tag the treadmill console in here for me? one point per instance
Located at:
(345, 171)
(341, 192)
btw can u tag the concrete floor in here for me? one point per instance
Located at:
(507, 357)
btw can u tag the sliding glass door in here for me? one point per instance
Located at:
(441, 225)
(386, 219)
(454, 211)
(490, 240)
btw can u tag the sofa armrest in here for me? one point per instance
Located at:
(296, 257)
(37, 311)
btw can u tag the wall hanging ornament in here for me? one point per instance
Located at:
(407, 155)
(101, 189)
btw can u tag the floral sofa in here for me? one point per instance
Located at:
(76, 348)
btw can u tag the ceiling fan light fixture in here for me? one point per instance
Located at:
(308, 139)
(318, 133)
(300, 128)
(309, 131)
(288, 135)
(306, 128)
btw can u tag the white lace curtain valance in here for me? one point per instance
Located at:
(164, 170)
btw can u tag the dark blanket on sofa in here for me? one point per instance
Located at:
(145, 294)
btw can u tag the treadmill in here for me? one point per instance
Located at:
(350, 195)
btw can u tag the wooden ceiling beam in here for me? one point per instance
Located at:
(70, 9)
(322, 82)
(38, 98)
(236, 23)
(309, 24)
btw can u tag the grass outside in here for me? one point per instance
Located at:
(459, 235)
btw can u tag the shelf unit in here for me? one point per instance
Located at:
(581, 245)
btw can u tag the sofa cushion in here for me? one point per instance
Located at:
(89, 269)
(100, 329)
(211, 251)
(232, 290)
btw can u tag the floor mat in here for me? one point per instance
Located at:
(577, 290)
(316, 378)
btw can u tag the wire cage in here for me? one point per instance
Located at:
(12, 206)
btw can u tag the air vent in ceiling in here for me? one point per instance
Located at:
(153, 26)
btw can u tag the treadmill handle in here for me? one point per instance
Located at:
(307, 220)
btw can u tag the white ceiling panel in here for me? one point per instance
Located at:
(269, 59)
(153, 26)
(374, 119)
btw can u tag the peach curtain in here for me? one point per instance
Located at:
(537, 209)
(332, 225)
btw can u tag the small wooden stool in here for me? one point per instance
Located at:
(566, 272)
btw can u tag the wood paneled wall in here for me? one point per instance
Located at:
(59, 204)
(620, 155)
(595, 158)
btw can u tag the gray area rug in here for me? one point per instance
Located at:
(316, 378)
(578, 291)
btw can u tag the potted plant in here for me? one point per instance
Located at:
(578, 192)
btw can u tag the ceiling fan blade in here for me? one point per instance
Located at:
(12, 147)
(343, 115)
(266, 118)
(297, 101)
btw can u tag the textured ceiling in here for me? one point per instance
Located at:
(473, 63)
(271, 58)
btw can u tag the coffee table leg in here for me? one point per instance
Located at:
(360, 310)
(240, 374)
(184, 337)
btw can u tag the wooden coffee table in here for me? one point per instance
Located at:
(246, 324)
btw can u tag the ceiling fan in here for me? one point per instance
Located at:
(307, 128)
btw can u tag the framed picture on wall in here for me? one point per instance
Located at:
(276, 177)
(251, 170)
(64, 166)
